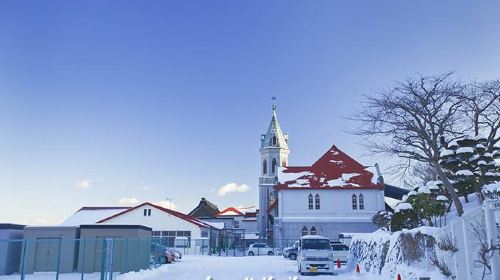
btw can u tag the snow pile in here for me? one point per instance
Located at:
(405, 252)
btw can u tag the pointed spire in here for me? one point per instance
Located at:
(274, 136)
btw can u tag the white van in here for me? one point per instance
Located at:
(315, 255)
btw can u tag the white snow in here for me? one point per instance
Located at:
(343, 181)
(90, 216)
(464, 150)
(424, 189)
(237, 268)
(441, 198)
(464, 173)
(492, 188)
(445, 153)
(289, 176)
(403, 206)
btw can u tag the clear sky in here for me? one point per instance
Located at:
(102, 101)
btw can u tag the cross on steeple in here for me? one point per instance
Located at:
(274, 102)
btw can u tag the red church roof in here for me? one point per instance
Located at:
(334, 169)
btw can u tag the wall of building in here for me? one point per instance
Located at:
(45, 244)
(10, 250)
(333, 203)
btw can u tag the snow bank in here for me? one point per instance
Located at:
(405, 252)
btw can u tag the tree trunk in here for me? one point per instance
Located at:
(451, 190)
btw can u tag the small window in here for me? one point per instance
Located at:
(156, 233)
(204, 234)
(149, 212)
(236, 224)
(361, 202)
(273, 166)
(275, 140)
(316, 201)
(313, 231)
(354, 202)
(310, 201)
(264, 167)
(145, 212)
(304, 231)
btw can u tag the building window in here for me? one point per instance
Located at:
(264, 167)
(145, 212)
(316, 201)
(149, 212)
(236, 224)
(354, 202)
(273, 166)
(310, 201)
(304, 231)
(275, 141)
(313, 231)
(361, 202)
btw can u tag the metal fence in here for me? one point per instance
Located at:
(73, 259)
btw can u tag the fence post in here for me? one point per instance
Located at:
(466, 248)
(82, 265)
(103, 259)
(23, 257)
(111, 250)
(491, 237)
(59, 248)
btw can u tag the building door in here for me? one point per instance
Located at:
(46, 251)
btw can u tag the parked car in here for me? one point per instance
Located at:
(292, 251)
(176, 253)
(315, 255)
(341, 252)
(260, 249)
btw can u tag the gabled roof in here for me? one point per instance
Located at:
(334, 170)
(230, 211)
(274, 129)
(166, 210)
(204, 210)
(91, 215)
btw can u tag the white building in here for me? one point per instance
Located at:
(335, 194)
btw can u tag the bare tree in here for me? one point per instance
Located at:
(486, 249)
(420, 174)
(483, 111)
(409, 119)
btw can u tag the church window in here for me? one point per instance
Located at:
(273, 166)
(275, 141)
(316, 201)
(313, 231)
(361, 202)
(304, 231)
(264, 167)
(310, 201)
(354, 202)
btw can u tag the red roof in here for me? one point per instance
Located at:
(335, 170)
(166, 210)
(228, 210)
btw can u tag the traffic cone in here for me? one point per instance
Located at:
(399, 276)
(338, 263)
(357, 269)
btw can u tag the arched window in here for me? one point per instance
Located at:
(313, 231)
(304, 231)
(273, 165)
(310, 201)
(361, 202)
(264, 167)
(316, 202)
(275, 140)
(354, 202)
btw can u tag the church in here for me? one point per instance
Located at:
(335, 194)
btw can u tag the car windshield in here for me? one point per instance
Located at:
(316, 244)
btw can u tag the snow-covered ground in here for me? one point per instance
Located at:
(235, 268)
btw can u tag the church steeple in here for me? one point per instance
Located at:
(274, 136)
(274, 154)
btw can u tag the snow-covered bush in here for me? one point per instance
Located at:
(492, 191)
(383, 219)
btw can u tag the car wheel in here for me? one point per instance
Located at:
(270, 253)
(292, 257)
(250, 253)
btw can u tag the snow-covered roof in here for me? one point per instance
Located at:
(237, 211)
(91, 215)
(334, 169)
(180, 215)
(313, 237)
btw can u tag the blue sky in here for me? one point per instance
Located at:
(148, 100)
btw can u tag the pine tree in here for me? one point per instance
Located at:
(470, 165)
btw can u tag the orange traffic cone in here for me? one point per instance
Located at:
(399, 276)
(357, 268)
